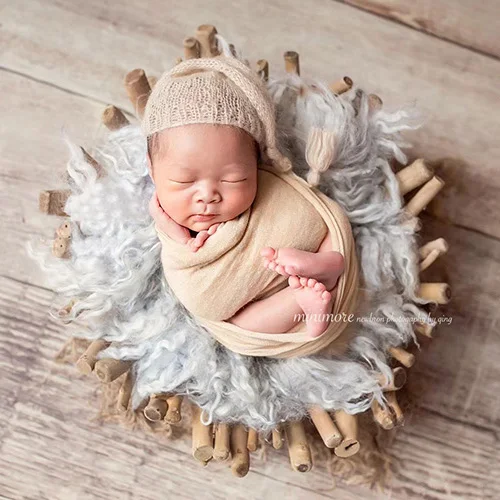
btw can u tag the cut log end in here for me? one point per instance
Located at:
(241, 458)
(347, 448)
(292, 64)
(107, 370)
(404, 357)
(113, 118)
(440, 293)
(156, 409)
(191, 48)
(342, 85)
(298, 447)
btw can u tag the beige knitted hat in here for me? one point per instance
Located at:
(219, 90)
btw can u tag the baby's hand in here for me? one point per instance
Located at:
(197, 242)
(176, 231)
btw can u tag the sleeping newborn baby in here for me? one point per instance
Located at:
(206, 175)
(248, 246)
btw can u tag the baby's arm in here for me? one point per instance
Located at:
(176, 231)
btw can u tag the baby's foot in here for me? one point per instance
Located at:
(325, 267)
(316, 302)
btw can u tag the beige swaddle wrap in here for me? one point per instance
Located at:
(227, 272)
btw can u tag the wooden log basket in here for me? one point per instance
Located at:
(221, 441)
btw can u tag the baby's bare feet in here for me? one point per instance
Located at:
(325, 267)
(316, 302)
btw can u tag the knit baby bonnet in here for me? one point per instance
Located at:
(220, 90)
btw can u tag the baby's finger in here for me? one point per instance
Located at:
(212, 229)
(201, 237)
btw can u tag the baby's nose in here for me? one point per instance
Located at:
(209, 196)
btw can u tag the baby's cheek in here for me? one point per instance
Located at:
(176, 204)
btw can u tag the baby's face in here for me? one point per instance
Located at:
(204, 174)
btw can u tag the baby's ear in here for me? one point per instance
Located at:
(150, 167)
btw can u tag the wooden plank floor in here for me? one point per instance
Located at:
(62, 62)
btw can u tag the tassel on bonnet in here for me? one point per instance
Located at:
(320, 151)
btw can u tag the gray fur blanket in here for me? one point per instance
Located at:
(115, 269)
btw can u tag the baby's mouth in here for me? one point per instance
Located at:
(203, 217)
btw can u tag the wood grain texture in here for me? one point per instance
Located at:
(456, 90)
(458, 372)
(471, 24)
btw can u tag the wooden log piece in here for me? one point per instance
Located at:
(404, 357)
(396, 409)
(205, 34)
(382, 416)
(178, 60)
(87, 361)
(430, 252)
(263, 69)
(124, 393)
(292, 64)
(424, 196)
(328, 431)
(191, 48)
(440, 244)
(174, 404)
(61, 248)
(64, 311)
(156, 408)
(413, 176)
(51, 202)
(222, 447)
(341, 86)
(240, 456)
(113, 118)
(91, 161)
(348, 427)
(399, 380)
(108, 369)
(138, 90)
(298, 447)
(440, 293)
(203, 449)
(232, 48)
(374, 103)
(425, 329)
(64, 230)
(253, 440)
(278, 438)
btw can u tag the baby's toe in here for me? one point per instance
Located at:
(294, 282)
(326, 296)
(303, 281)
(319, 287)
(311, 282)
(267, 252)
